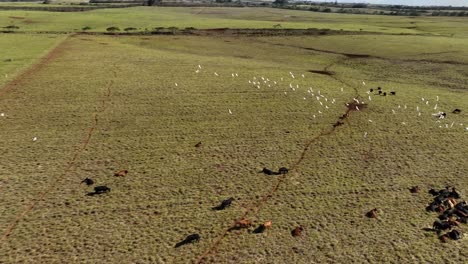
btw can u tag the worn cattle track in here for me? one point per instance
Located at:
(256, 206)
(71, 164)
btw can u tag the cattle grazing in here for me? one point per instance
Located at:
(454, 194)
(198, 144)
(121, 173)
(101, 189)
(379, 88)
(380, 92)
(88, 181)
(189, 239)
(456, 111)
(224, 204)
(454, 234)
(283, 170)
(372, 213)
(297, 231)
(371, 90)
(392, 93)
(269, 172)
(242, 223)
(415, 189)
(261, 228)
(434, 192)
(439, 225)
(384, 94)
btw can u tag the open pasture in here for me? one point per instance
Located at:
(99, 104)
(148, 18)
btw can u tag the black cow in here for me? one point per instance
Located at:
(101, 189)
(283, 170)
(380, 92)
(379, 88)
(269, 172)
(371, 90)
(456, 111)
(385, 94)
(88, 181)
(224, 204)
(392, 93)
(189, 239)
(454, 234)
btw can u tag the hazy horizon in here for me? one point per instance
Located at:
(411, 2)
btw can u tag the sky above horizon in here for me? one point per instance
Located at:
(411, 2)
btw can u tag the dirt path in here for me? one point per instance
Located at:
(71, 163)
(256, 206)
(31, 71)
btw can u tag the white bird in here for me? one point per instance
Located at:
(435, 107)
(365, 134)
(217, 74)
(293, 76)
(232, 74)
(417, 108)
(237, 75)
(326, 99)
(269, 85)
(34, 138)
(321, 103)
(405, 106)
(419, 114)
(370, 98)
(326, 106)
(199, 66)
(370, 120)
(342, 89)
(274, 82)
(318, 98)
(364, 83)
(304, 98)
(427, 102)
(285, 93)
(314, 117)
(281, 78)
(290, 85)
(319, 112)
(297, 85)
(250, 81)
(422, 99)
(357, 108)
(403, 123)
(333, 101)
(230, 112)
(258, 86)
(452, 124)
(293, 89)
(446, 125)
(197, 71)
(303, 76)
(437, 98)
(399, 106)
(2, 114)
(393, 111)
(176, 84)
(255, 78)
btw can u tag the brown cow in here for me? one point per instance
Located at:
(297, 231)
(121, 173)
(372, 213)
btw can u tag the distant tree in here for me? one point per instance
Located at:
(280, 2)
(85, 28)
(326, 10)
(12, 27)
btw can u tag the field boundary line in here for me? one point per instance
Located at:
(71, 163)
(53, 53)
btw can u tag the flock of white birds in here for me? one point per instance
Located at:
(325, 103)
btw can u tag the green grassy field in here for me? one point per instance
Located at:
(98, 104)
(199, 17)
